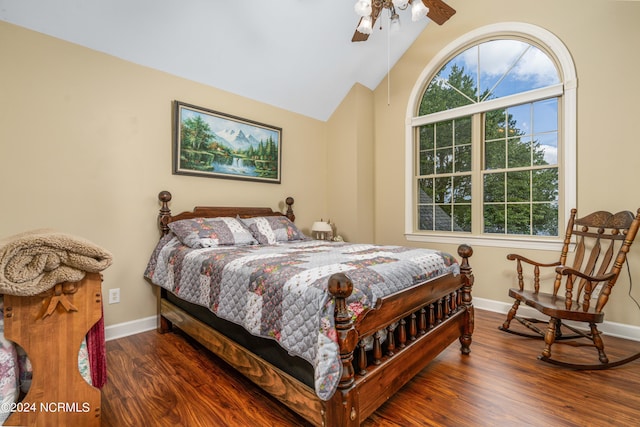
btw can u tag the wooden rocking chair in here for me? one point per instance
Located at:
(601, 238)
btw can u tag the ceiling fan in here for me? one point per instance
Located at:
(369, 10)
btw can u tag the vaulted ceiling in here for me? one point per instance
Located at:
(293, 54)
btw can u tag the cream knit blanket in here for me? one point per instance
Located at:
(35, 261)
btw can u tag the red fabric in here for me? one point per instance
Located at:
(97, 353)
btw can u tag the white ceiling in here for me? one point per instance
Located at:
(293, 54)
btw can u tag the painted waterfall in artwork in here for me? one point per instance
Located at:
(208, 143)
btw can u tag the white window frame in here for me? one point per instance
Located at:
(566, 157)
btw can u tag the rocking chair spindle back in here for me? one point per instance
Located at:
(602, 241)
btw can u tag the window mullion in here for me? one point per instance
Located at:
(477, 152)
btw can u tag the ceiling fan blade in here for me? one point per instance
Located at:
(375, 12)
(358, 36)
(439, 11)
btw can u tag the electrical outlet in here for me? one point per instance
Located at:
(114, 296)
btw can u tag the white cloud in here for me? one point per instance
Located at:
(550, 154)
(498, 57)
(536, 65)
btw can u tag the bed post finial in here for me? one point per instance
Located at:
(165, 213)
(465, 252)
(290, 214)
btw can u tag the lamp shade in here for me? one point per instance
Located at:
(320, 226)
(321, 230)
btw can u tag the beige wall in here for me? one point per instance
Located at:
(350, 166)
(85, 143)
(601, 37)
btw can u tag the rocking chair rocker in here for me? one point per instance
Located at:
(599, 236)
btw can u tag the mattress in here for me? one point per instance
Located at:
(267, 349)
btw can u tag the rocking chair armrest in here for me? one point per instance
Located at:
(565, 271)
(513, 257)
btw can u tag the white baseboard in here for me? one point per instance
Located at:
(621, 330)
(132, 327)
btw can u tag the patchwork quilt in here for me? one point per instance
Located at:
(280, 291)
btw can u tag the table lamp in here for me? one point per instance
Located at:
(321, 230)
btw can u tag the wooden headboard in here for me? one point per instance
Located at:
(165, 217)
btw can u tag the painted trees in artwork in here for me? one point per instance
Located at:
(201, 149)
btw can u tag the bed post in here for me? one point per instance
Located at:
(342, 409)
(465, 253)
(290, 214)
(165, 213)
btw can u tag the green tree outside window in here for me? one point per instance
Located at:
(517, 145)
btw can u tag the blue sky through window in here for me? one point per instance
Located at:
(505, 67)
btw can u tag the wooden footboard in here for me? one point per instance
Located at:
(50, 328)
(406, 331)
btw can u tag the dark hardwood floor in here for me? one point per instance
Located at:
(169, 380)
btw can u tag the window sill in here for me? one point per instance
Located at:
(548, 244)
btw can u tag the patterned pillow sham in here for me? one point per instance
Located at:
(268, 230)
(208, 232)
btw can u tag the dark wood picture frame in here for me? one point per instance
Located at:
(212, 144)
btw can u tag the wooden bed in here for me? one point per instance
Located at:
(429, 317)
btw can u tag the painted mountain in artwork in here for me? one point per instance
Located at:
(236, 140)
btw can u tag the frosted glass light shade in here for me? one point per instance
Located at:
(395, 23)
(365, 26)
(418, 10)
(363, 7)
(400, 4)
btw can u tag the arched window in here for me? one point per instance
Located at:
(491, 140)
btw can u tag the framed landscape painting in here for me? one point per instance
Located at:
(217, 145)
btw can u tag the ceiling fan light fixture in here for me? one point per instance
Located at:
(363, 7)
(366, 26)
(370, 10)
(418, 10)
